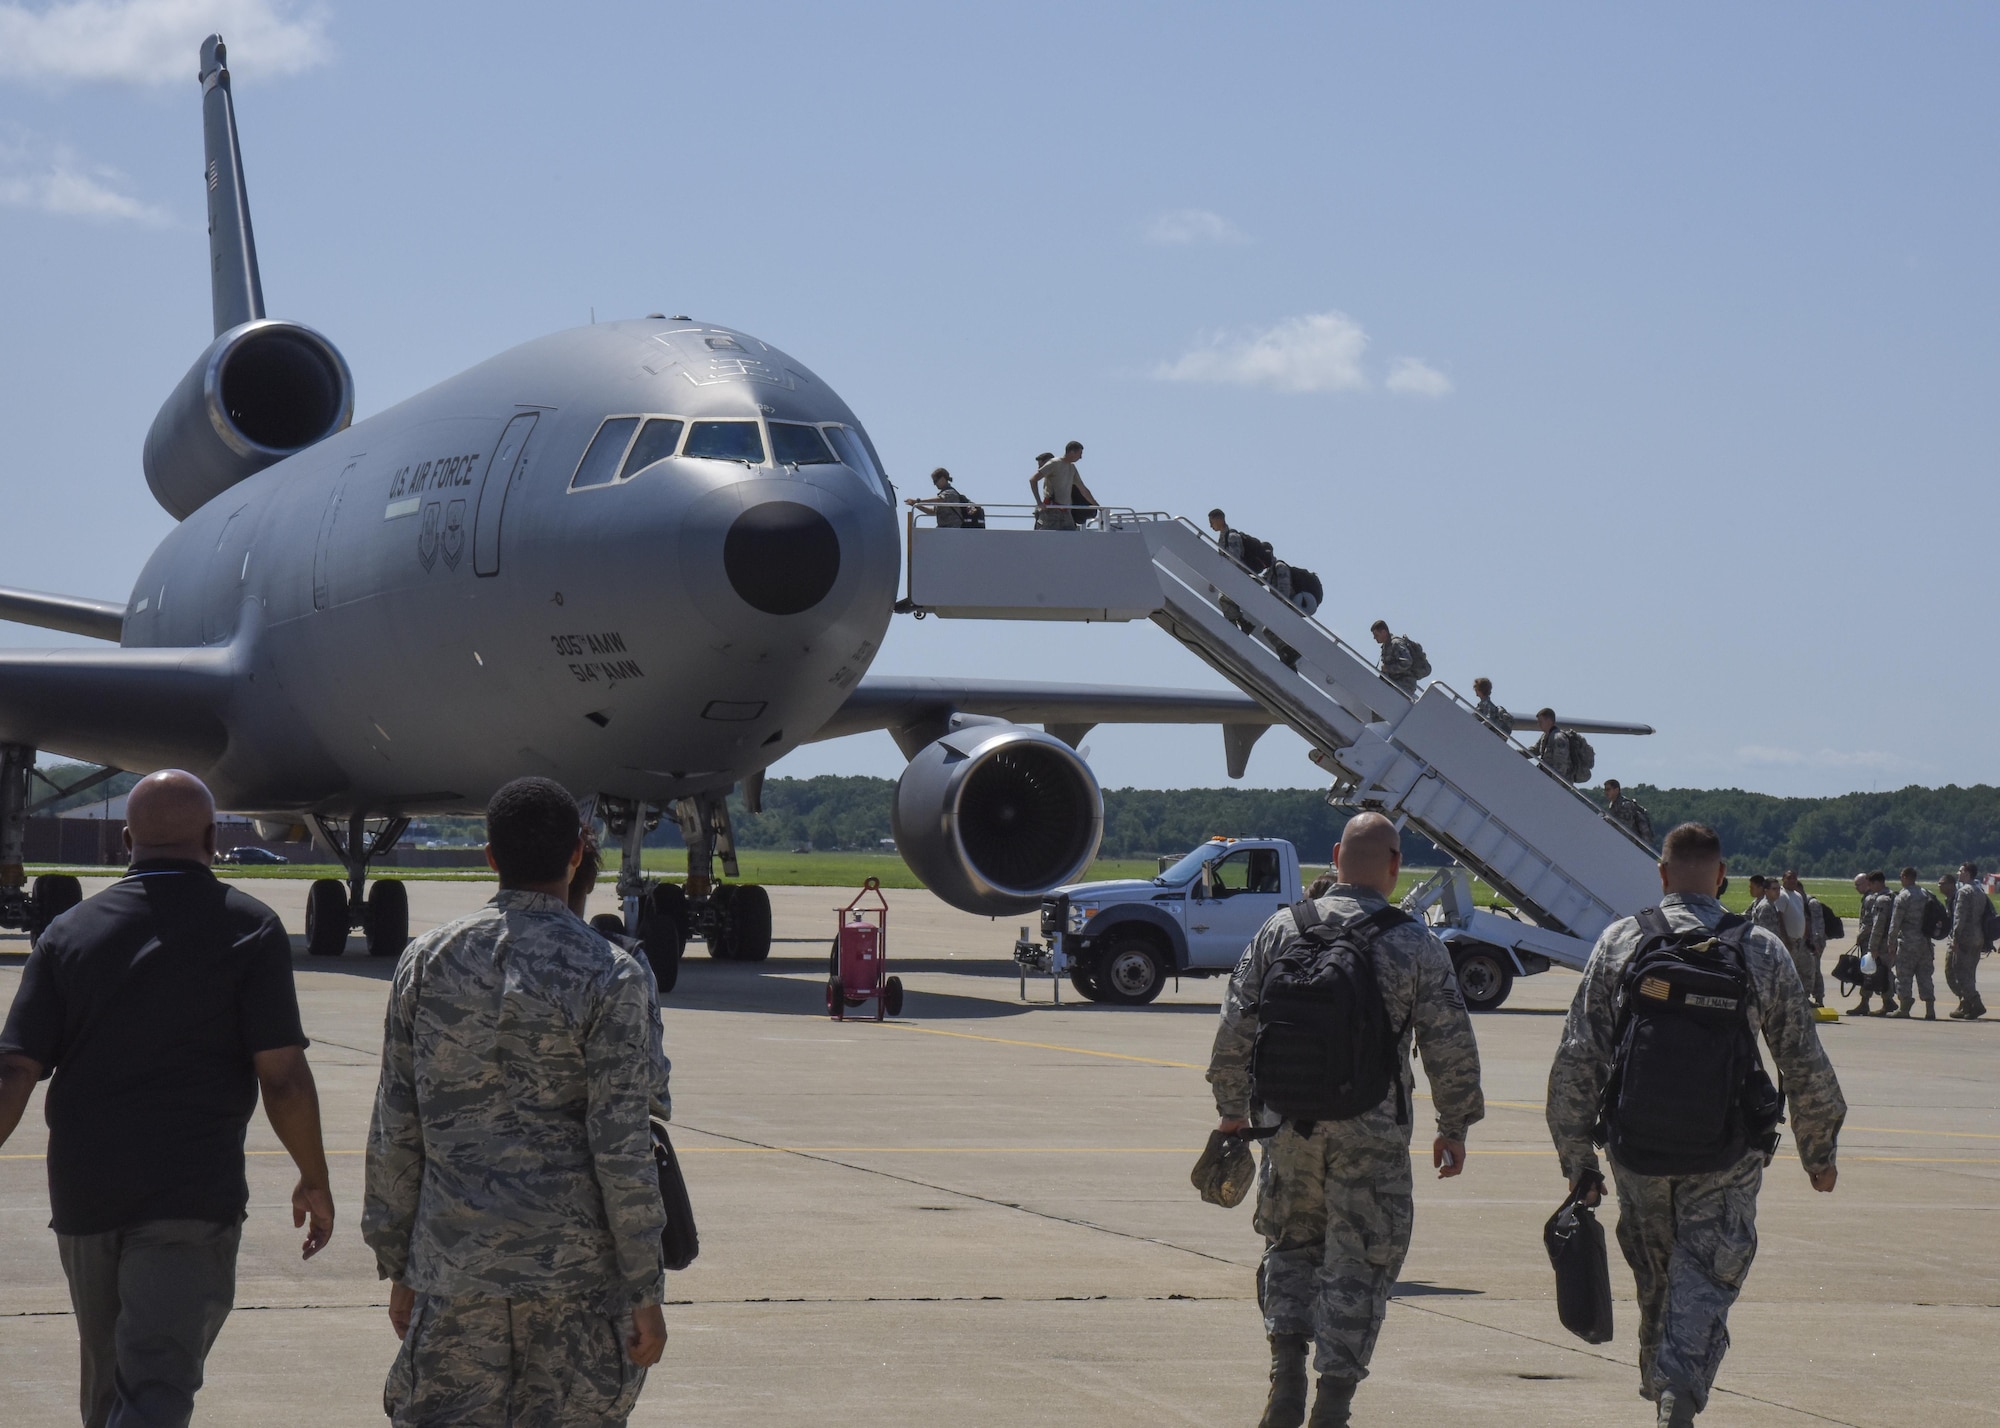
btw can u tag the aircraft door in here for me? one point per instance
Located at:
(506, 470)
(323, 545)
(228, 569)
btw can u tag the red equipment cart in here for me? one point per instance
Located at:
(860, 960)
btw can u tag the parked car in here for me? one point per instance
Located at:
(251, 857)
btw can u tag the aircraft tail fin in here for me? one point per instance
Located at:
(235, 287)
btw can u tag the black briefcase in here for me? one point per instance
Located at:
(1575, 1242)
(678, 1241)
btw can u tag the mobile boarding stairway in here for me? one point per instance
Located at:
(1430, 762)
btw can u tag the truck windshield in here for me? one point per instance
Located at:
(1189, 868)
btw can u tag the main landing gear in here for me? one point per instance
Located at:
(734, 919)
(24, 906)
(335, 908)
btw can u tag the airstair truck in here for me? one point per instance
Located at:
(1429, 762)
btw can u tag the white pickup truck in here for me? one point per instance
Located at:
(1121, 941)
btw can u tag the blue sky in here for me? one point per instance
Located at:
(1641, 359)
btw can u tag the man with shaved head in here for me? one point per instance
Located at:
(1333, 1195)
(163, 1006)
(1658, 1062)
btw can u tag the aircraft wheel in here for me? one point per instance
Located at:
(1131, 972)
(663, 933)
(608, 925)
(53, 895)
(326, 918)
(892, 996)
(388, 918)
(722, 939)
(1484, 977)
(750, 912)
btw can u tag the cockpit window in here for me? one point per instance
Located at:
(726, 441)
(854, 453)
(599, 466)
(657, 440)
(793, 444)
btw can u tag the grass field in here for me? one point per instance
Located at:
(850, 870)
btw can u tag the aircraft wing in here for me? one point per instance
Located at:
(72, 614)
(129, 708)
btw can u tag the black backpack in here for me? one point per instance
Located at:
(1688, 1093)
(1325, 1050)
(1420, 663)
(972, 518)
(1305, 582)
(1257, 554)
(1831, 927)
(1937, 919)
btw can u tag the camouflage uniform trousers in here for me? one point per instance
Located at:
(1335, 1211)
(511, 1363)
(1690, 1240)
(1805, 958)
(1914, 964)
(1961, 972)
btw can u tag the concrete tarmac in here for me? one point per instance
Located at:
(980, 1214)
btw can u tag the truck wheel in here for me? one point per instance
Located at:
(1084, 978)
(1131, 972)
(1484, 978)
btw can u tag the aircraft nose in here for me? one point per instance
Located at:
(781, 557)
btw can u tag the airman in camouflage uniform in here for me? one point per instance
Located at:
(1873, 936)
(1968, 943)
(1334, 1201)
(1627, 813)
(510, 1174)
(1690, 1239)
(1916, 955)
(1486, 709)
(1399, 661)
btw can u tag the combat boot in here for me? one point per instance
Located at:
(1888, 1005)
(1286, 1407)
(1902, 1013)
(1676, 1409)
(1861, 1010)
(1333, 1404)
(1930, 1011)
(1975, 1009)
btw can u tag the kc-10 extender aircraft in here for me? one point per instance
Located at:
(645, 558)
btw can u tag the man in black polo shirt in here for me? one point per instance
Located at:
(163, 1005)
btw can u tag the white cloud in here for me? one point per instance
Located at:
(1188, 227)
(1412, 377)
(155, 41)
(56, 180)
(1318, 352)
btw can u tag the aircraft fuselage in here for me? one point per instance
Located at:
(438, 599)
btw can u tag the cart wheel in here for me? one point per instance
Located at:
(833, 998)
(892, 996)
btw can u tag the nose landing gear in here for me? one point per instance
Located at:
(733, 919)
(334, 909)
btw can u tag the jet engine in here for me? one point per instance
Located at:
(992, 816)
(263, 390)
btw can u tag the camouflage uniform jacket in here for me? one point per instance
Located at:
(1398, 662)
(1780, 1012)
(510, 1154)
(1815, 924)
(1420, 992)
(1552, 752)
(1906, 920)
(1496, 716)
(948, 506)
(1632, 816)
(1877, 911)
(1765, 914)
(1968, 918)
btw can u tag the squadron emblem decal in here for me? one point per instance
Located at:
(427, 538)
(454, 534)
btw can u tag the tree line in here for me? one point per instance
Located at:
(1930, 828)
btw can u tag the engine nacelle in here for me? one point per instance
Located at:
(262, 391)
(992, 816)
